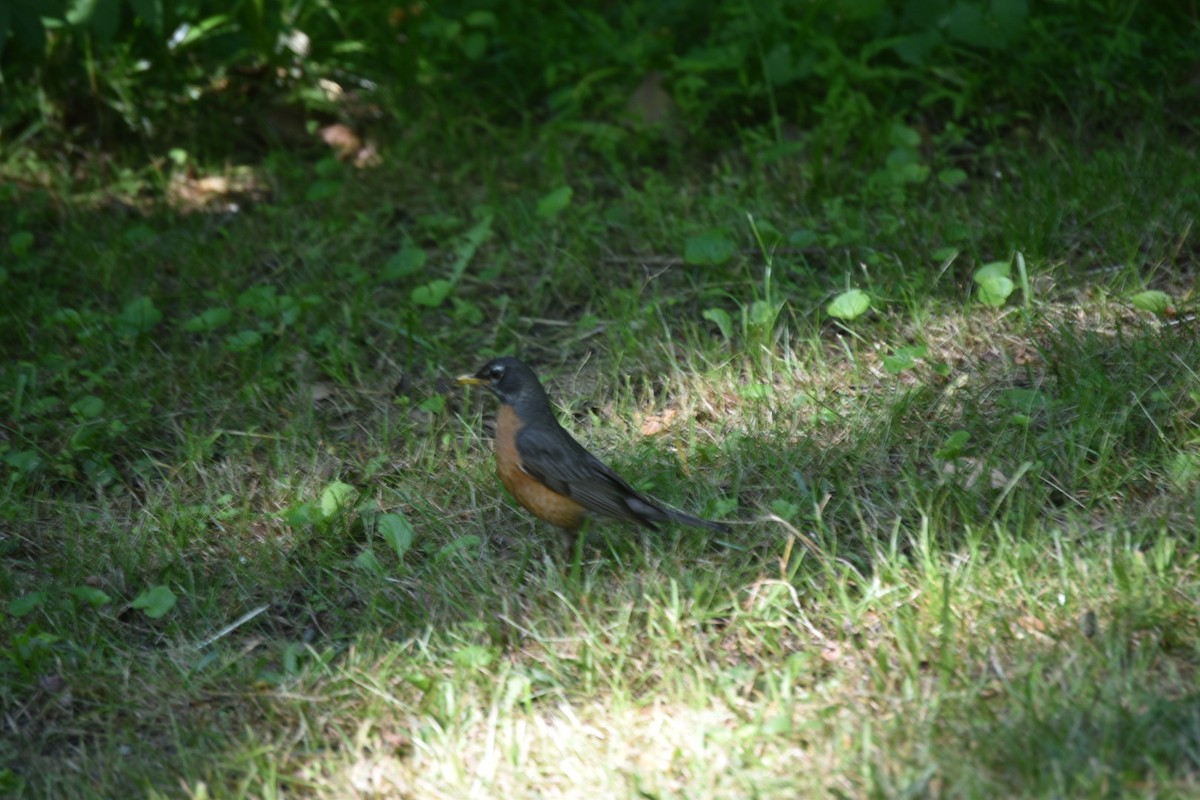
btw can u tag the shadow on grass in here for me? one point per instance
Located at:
(1093, 432)
(1118, 710)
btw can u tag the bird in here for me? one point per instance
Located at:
(551, 474)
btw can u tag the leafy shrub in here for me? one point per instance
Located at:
(109, 68)
(830, 66)
(828, 76)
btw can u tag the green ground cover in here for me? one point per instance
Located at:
(944, 386)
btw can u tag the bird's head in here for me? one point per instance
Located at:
(508, 378)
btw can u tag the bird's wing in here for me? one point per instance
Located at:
(561, 463)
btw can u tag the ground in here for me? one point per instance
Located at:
(254, 544)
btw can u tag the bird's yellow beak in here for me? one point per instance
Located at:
(470, 380)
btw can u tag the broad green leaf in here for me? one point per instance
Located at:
(953, 446)
(952, 177)
(709, 248)
(88, 407)
(407, 262)
(242, 341)
(288, 310)
(209, 320)
(155, 602)
(260, 299)
(756, 391)
(474, 45)
(1154, 301)
(397, 532)
(897, 363)
(724, 506)
(20, 606)
(904, 358)
(473, 656)
(465, 250)
(958, 232)
(1025, 401)
(722, 319)
(79, 12)
(420, 680)
(322, 189)
(779, 65)
(292, 654)
(995, 290)
(22, 460)
(762, 314)
(849, 305)
(904, 136)
(329, 167)
(90, 595)
(803, 237)
(909, 173)
(139, 316)
(900, 157)
(301, 514)
(367, 561)
(785, 509)
(995, 269)
(459, 544)
(336, 496)
(553, 203)
(767, 235)
(434, 404)
(432, 294)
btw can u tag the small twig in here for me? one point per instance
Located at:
(233, 626)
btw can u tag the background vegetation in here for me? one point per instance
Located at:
(906, 291)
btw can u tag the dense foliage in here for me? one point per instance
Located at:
(823, 75)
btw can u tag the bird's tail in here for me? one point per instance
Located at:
(650, 509)
(696, 522)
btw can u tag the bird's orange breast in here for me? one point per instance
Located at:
(537, 498)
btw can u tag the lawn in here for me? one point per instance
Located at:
(253, 544)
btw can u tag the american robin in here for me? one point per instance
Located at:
(551, 474)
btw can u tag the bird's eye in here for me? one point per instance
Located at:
(496, 373)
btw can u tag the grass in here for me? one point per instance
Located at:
(974, 575)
